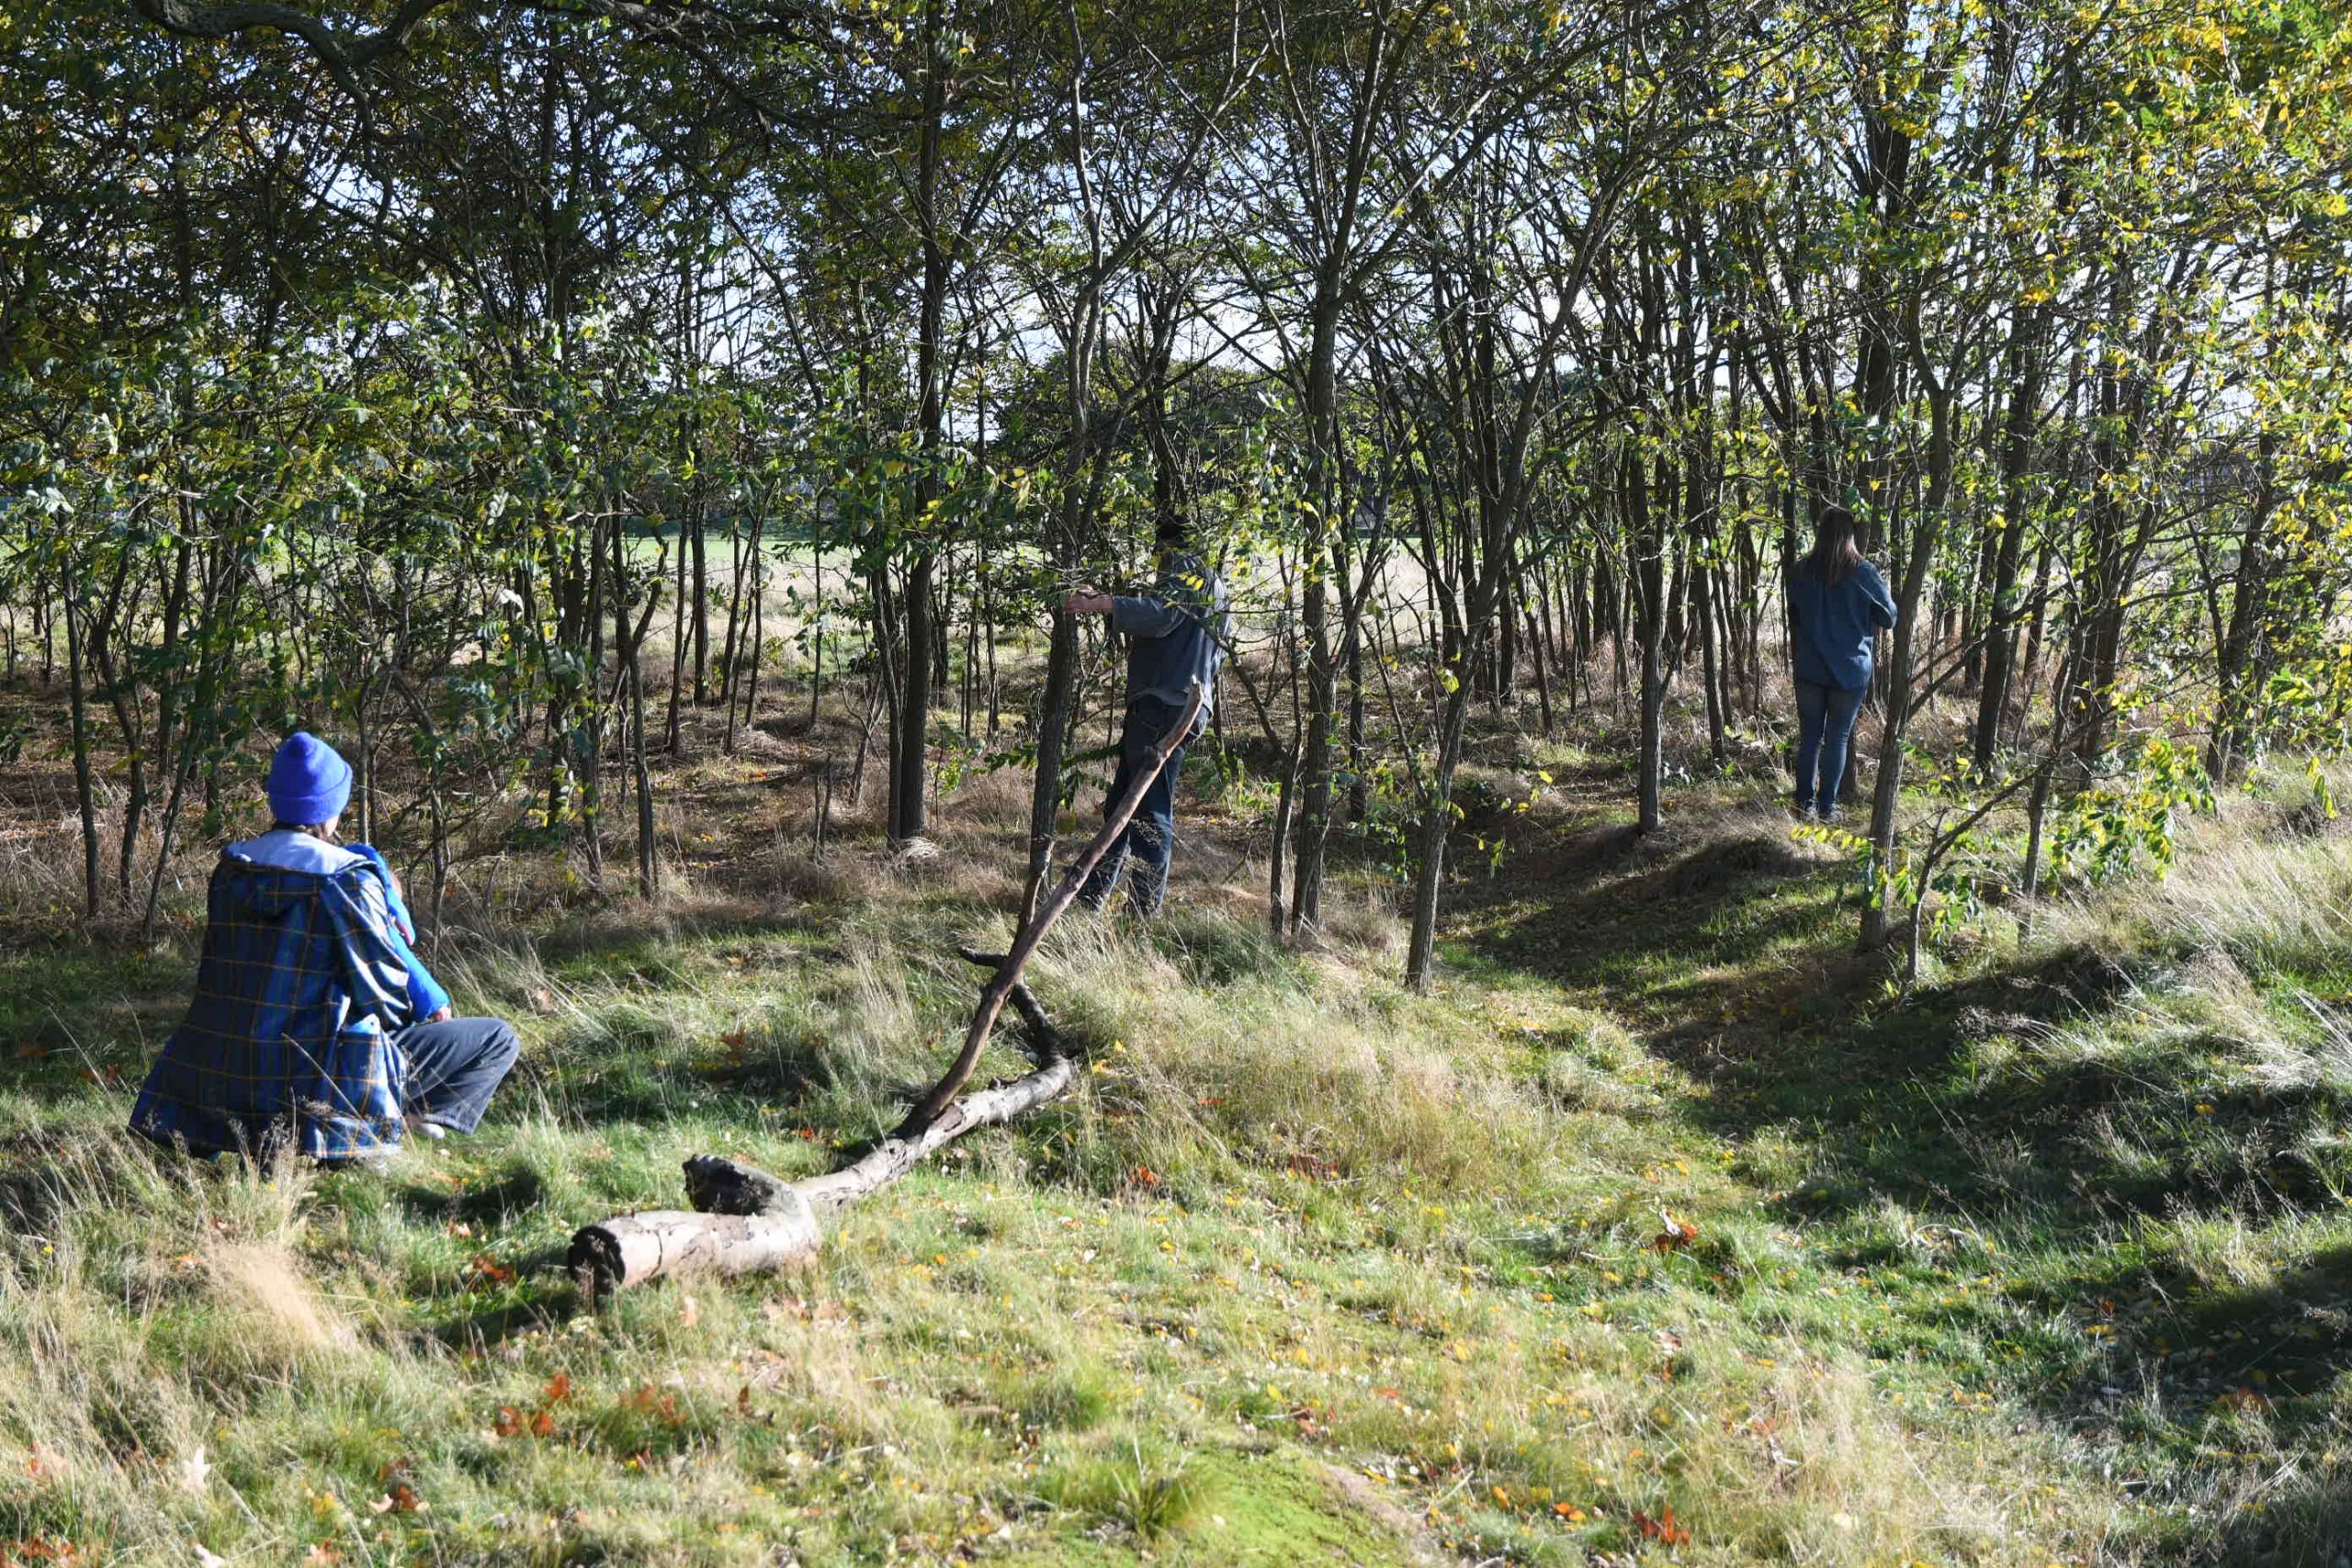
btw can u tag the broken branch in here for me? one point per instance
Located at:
(746, 1222)
(1008, 974)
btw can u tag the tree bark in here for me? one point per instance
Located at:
(2026, 365)
(1888, 787)
(84, 791)
(630, 1249)
(909, 757)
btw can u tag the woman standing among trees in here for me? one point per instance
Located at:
(1837, 604)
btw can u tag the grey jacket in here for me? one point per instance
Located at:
(1177, 634)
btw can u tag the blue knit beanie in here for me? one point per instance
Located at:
(308, 781)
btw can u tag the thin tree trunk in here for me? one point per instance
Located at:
(84, 794)
(1886, 796)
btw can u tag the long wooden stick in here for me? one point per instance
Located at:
(748, 1222)
(1008, 974)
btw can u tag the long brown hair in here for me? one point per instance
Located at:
(1835, 554)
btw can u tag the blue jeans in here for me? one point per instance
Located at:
(1825, 730)
(454, 1067)
(1150, 834)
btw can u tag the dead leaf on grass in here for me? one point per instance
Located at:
(1662, 1530)
(1676, 1234)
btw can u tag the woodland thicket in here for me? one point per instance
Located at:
(486, 383)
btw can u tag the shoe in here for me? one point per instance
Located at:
(431, 1131)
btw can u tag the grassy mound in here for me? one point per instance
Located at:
(1665, 1231)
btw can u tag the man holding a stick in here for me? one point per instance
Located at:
(1176, 635)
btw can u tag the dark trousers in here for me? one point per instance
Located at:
(1151, 835)
(1824, 735)
(454, 1067)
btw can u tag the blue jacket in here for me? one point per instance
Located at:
(426, 995)
(1832, 623)
(287, 849)
(1177, 636)
(298, 990)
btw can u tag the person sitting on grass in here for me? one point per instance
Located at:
(1176, 635)
(314, 1026)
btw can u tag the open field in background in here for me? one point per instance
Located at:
(1665, 1231)
(797, 612)
(800, 761)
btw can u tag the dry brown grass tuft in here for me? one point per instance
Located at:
(1335, 1067)
(2267, 902)
(262, 1290)
(995, 800)
(1369, 925)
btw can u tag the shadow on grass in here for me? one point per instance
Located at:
(518, 1192)
(2052, 1106)
(2265, 1352)
(1647, 922)
(2304, 1521)
(553, 1301)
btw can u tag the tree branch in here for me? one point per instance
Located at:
(942, 1093)
(344, 57)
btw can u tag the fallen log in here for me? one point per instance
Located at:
(746, 1220)
(633, 1248)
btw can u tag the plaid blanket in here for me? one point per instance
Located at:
(289, 1033)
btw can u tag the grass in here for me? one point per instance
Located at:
(1665, 1231)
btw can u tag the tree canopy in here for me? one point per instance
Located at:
(395, 368)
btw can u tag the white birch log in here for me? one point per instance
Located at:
(748, 1222)
(666, 1242)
